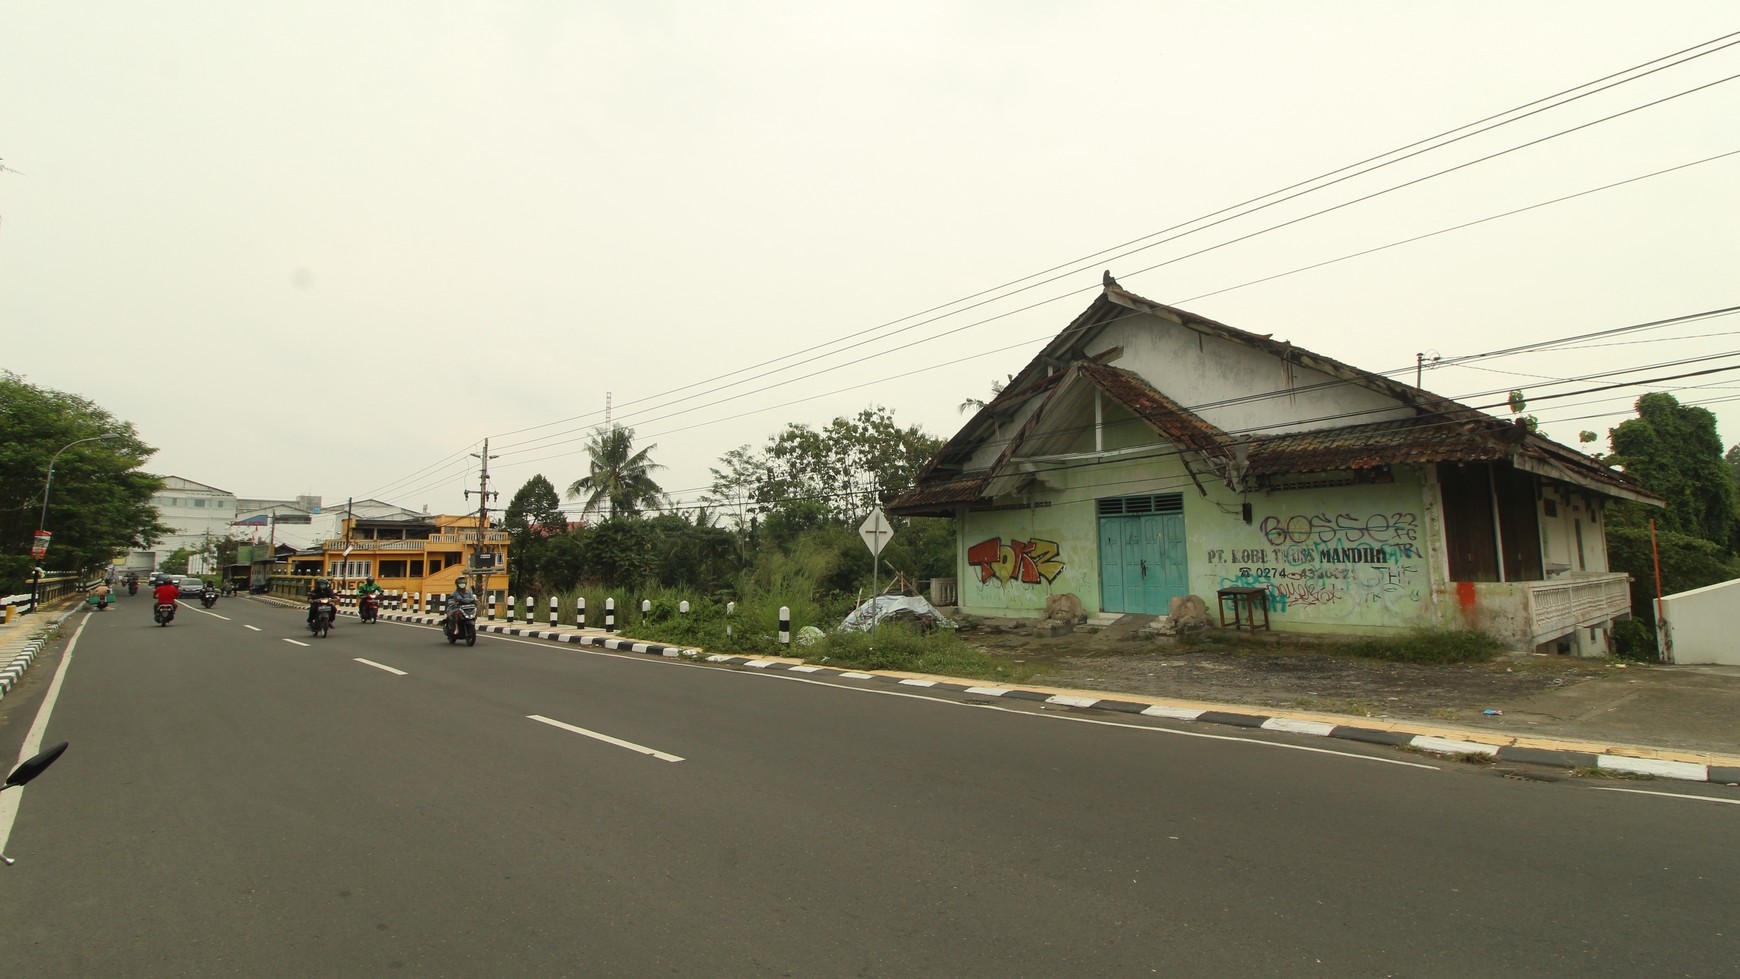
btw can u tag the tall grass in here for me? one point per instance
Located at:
(1428, 645)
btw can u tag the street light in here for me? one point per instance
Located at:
(48, 484)
(42, 524)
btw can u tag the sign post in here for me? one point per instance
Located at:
(876, 533)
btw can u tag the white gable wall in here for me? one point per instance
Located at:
(1199, 371)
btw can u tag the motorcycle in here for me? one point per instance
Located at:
(324, 612)
(369, 607)
(162, 612)
(209, 597)
(461, 623)
(132, 586)
(27, 770)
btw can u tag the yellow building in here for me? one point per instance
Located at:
(422, 554)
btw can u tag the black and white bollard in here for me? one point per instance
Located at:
(610, 615)
(683, 607)
(553, 611)
(784, 626)
(580, 612)
(730, 609)
(492, 606)
(510, 599)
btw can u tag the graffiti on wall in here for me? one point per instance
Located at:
(1030, 562)
(1336, 565)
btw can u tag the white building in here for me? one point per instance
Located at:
(195, 513)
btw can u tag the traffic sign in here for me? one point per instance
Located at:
(875, 531)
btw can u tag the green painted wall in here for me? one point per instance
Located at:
(1335, 559)
(1343, 558)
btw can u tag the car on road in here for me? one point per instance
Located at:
(191, 585)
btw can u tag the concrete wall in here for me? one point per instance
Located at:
(1197, 370)
(1335, 559)
(1701, 625)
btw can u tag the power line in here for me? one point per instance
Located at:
(1537, 102)
(880, 327)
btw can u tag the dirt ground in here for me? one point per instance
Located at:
(1277, 671)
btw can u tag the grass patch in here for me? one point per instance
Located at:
(897, 647)
(1611, 773)
(1428, 645)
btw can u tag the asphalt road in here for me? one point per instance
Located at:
(243, 799)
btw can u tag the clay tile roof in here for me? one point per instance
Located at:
(936, 498)
(1161, 413)
(1411, 440)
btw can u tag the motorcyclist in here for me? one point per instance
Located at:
(166, 593)
(368, 587)
(102, 593)
(321, 588)
(461, 595)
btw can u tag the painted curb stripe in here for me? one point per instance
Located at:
(1445, 746)
(1319, 728)
(1064, 701)
(1236, 720)
(1547, 756)
(1651, 766)
(1371, 735)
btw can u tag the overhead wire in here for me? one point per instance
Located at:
(1212, 214)
(810, 360)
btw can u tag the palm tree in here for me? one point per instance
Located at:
(621, 480)
(997, 388)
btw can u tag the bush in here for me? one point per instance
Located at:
(1428, 645)
(1634, 638)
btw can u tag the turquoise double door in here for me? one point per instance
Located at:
(1143, 562)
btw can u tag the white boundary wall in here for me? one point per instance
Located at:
(1700, 625)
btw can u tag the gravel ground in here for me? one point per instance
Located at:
(1280, 672)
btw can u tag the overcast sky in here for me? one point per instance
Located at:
(330, 247)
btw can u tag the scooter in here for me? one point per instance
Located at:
(27, 770)
(368, 608)
(324, 613)
(461, 623)
(162, 612)
(209, 597)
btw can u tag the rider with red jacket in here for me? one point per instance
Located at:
(167, 593)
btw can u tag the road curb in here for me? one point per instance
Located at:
(21, 652)
(1620, 759)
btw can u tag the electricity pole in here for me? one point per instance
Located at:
(484, 495)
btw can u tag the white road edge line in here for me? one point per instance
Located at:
(630, 745)
(381, 666)
(1670, 795)
(996, 691)
(295, 643)
(253, 627)
(10, 800)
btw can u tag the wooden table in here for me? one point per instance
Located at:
(1244, 605)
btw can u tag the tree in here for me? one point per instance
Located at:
(1674, 451)
(176, 562)
(841, 469)
(533, 516)
(620, 482)
(100, 502)
(997, 387)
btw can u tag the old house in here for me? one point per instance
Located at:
(1148, 453)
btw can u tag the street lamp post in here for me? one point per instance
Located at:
(47, 485)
